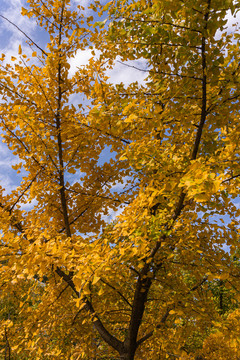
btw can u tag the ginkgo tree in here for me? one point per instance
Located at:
(144, 285)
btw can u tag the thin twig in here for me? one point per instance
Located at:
(33, 42)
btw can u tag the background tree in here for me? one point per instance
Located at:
(140, 287)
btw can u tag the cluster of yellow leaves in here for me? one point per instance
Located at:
(224, 342)
(199, 182)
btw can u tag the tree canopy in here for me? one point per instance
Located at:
(160, 157)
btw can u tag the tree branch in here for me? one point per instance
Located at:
(21, 31)
(119, 293)
(147, 336)
(110, 340)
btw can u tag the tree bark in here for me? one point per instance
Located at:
(127, 356)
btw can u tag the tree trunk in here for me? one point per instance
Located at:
(129, 353)
(127, 356)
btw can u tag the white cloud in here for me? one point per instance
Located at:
(112, 215)
(81, 59)
(8, 179)
(232, 24)
(29, 205)
(84, 3)
(7, 184)
(12, 27)
(13, 13)
(127, 72)
(232, 21)
(6, 158)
